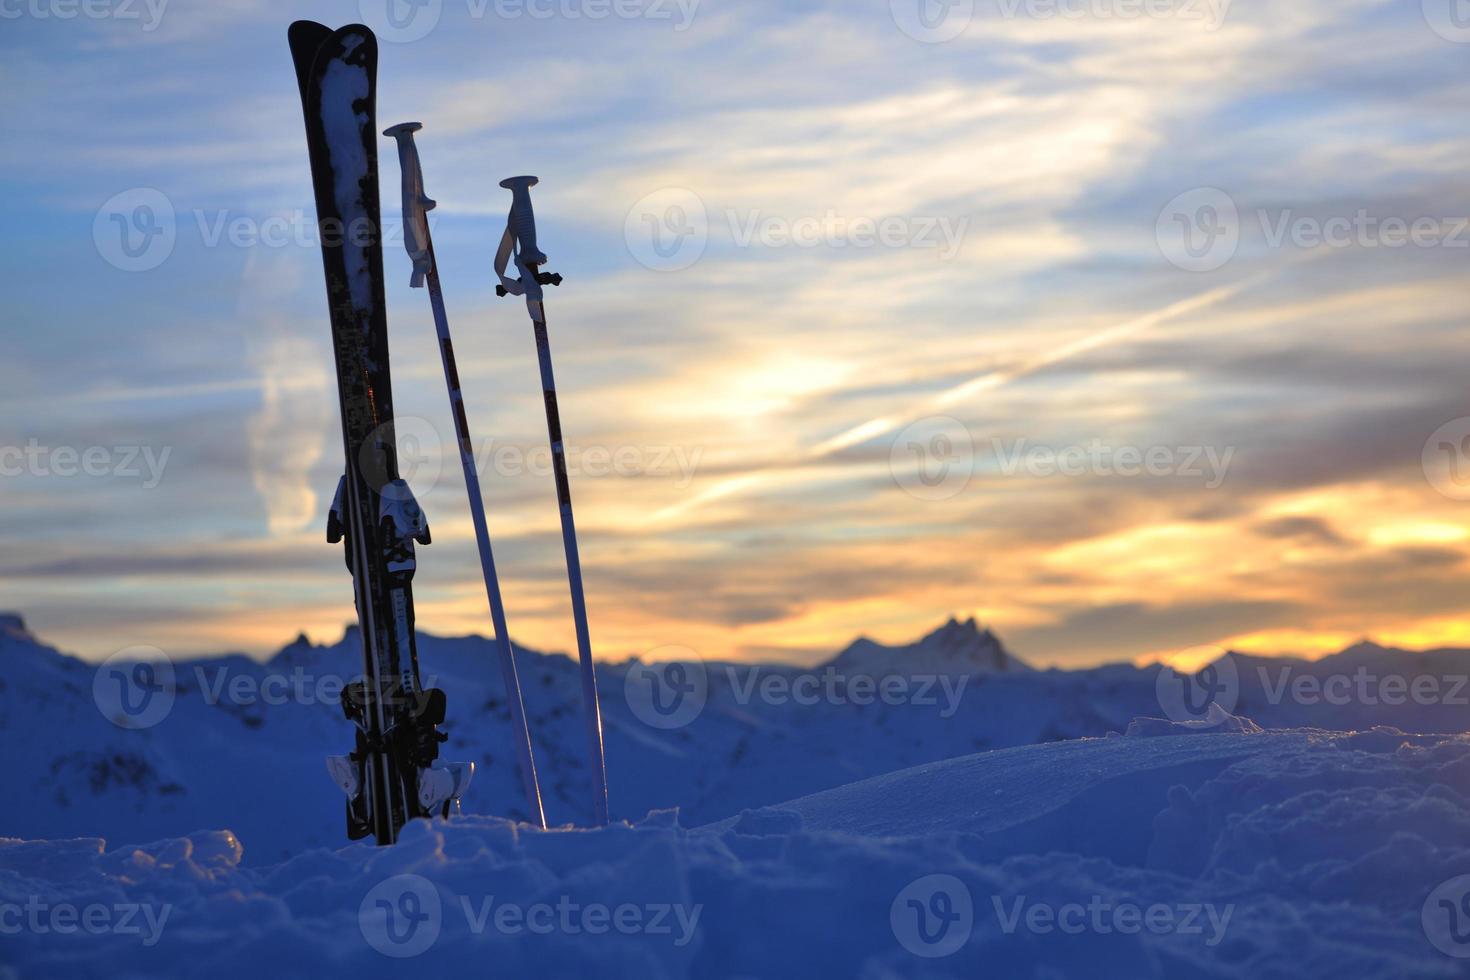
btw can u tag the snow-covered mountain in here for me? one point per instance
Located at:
(954, 649)
(241, 743)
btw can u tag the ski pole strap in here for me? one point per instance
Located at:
(416, 204)
(508, 286)
(519, 240)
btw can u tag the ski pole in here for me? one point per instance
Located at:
(416, 205)
(520, 239)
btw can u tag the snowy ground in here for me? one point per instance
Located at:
(815, 839)
(1202, 855)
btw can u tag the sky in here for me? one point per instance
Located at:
(1126, 326)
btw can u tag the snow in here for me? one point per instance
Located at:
(344, 88)
(1019, 836)
(1289, 854)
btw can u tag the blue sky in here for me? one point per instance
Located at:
(884, 257)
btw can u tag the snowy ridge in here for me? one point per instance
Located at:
(954, 649)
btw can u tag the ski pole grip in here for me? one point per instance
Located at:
(416, 204)
(523, 218)
(408, 153)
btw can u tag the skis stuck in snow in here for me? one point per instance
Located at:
(390, 776)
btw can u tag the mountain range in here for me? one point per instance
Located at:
(241, 742)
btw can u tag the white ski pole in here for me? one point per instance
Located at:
(520, 239)
(416, 205)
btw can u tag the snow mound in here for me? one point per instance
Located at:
(1216, 719)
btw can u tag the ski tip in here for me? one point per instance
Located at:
(306, 38)
(402, 128)
(307, 34)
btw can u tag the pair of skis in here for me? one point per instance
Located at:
(391, 776)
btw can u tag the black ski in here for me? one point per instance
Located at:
(387, 777)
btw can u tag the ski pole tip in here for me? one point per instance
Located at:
(403, 129)
(515, 183)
